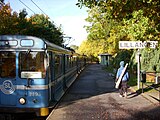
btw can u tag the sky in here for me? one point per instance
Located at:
(62, 12)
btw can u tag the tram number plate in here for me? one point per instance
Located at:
(34, 94)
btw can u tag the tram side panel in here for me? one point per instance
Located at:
(70, 69)
(62, 72)
(58, 76)
(81, 63)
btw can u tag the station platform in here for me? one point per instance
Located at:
(93, 97)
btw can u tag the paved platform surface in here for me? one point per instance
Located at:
(93, 97)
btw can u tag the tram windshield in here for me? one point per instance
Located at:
(7, 64)
(31, 65)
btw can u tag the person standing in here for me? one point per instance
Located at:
(123, 85)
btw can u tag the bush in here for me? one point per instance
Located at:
(123, 55)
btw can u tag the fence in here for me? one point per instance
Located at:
(151, 76)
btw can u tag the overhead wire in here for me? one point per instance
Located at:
(1, 3)
(27, 6)
(42, 11)
(38, 7)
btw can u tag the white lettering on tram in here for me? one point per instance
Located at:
(7, 87)
(34, 93)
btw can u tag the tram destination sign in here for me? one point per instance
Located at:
(137, 44)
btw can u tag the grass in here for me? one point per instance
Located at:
(109, 69)
(132, 79)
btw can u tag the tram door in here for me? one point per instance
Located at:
(7, 78)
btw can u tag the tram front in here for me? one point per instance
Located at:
(23, 71)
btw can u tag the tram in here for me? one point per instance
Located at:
(34, 73)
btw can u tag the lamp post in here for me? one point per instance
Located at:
(138, 56)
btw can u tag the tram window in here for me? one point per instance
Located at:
(8, 43)
(7, 64)
(27, 43)
(67, 62)
(70, 62)
(32, 64)
(74, 61)
(58, 65)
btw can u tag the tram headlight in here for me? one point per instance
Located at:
(22, 101)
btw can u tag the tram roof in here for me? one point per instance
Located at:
(28, 42)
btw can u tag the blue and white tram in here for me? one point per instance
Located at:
(34, 73)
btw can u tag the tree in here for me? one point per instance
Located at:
(92, 48)
(74, 47)
(23, 24)
(103, 28)
(36, 25)
(7, 20)
(42, 27)
(127, 20)
(12, 22)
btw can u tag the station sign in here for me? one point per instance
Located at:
(137, 44)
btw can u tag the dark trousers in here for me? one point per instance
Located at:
(123, 87)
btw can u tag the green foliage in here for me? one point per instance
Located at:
(102, 30)
(112, 21)
(123, 55)
(120, 9)
(92, 48)
(36, 25)
(150, 58)
(74, 47)
(42, 27)
(137, 26)
(87, 3)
